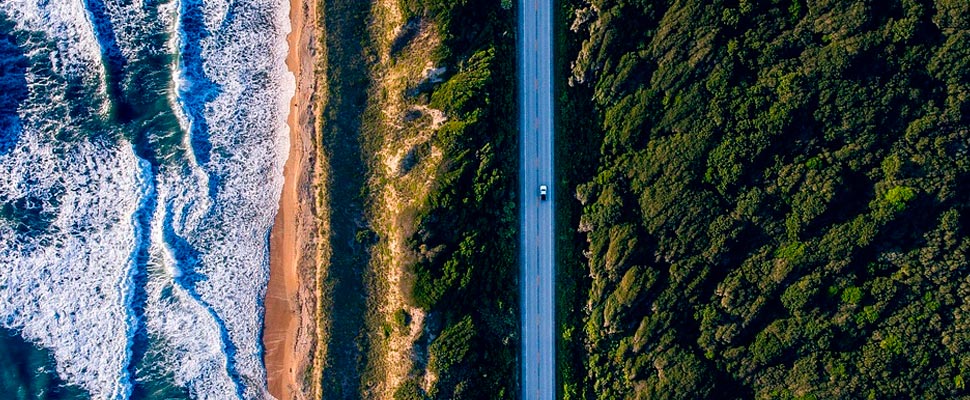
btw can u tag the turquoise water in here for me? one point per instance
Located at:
(141, 152)
(27, 372)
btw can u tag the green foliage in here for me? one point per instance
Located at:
(892, 345)
(765, 348)
(464, 92)
(455, 273)
(868, 315)
(791, 252)
(410, 390)
(898, 196)
(401, 320)
(451, 346)
(778, 198)
(851, 295)
(464, 240)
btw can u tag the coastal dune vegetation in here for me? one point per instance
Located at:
(775, 204)
(415, 200)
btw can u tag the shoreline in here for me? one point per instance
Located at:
(288, 320)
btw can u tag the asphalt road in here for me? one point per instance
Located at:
(537, 230)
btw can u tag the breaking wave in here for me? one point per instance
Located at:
(140, 169)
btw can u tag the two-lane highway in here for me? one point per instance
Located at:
(537, 261)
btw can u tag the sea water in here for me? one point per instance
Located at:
(141, 153)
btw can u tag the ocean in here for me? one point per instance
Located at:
(141, 152)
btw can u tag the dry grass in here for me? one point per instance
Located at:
(406, 165)
(321, 211)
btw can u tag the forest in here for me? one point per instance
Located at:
(775, 205)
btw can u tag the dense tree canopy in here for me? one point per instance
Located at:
(780, 203)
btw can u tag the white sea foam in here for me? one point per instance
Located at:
(66, 23)
(63, 281)
(190, 337)
(68, 288)
(65, 289)
(244, 56)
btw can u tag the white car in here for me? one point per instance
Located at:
(543, 190)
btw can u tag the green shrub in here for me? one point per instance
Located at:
(898, 196)
(450, 348)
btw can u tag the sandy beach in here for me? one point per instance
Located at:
(288, 323)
